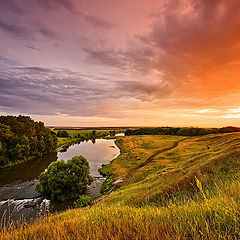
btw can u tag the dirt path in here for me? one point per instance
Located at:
(130, 174)
(126, 180)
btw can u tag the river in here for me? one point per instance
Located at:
(18, 199)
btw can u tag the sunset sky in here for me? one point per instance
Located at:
(121, 62)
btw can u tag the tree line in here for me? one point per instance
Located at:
(21, 139)
(185, 131)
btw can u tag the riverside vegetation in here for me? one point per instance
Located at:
(22, 139)
(65, 180)
(66, 138)
(172, 187)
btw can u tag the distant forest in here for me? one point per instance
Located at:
(21, 139)
(187, 131)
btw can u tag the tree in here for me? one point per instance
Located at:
(65, 180)
(185, 131)
(62, 134)
(112, 133)
(23, 139)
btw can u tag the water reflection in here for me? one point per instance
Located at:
(120, 134)
(99, 152)
(26, 171)
(18, 198)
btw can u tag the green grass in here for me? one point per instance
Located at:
(62, 141)
(135, 150)
(210, 158)
(189, 192)
(107, 185)
(74, 133)
(214, 218)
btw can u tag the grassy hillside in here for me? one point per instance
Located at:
(211, 159)
(135, 150)
(191, 191)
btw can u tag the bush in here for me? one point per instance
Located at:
(83, 201)
(65, 180)
(62, 134)
(107, 185)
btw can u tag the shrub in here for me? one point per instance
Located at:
(83, 201)
(62, 134)
(65, 180)
(107, 185)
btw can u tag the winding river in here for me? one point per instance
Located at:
(18, 199)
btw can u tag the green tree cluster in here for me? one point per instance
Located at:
(185, 131)
(62, 134)
(22, 139)
(65, 180)
(83, 201)
(112, 133)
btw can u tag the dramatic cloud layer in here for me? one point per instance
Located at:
(79, 62)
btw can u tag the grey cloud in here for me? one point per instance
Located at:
(21, 23)
(98, 22)
(36, 90)
(146, 91)
(47, 32)
(108, 57)
(35, 69)
(11, 5)
(25, 32)
(7, 62)
(188, 41)
(18, 19)
(15, 30)
(39, 90)
(30, 46)
(52, 4)
(141, 59)
(132, 59)
(75, 7)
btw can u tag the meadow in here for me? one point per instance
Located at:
(188, 190)
(82, 132)
(76, 134)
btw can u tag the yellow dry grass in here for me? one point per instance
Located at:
(198, 197)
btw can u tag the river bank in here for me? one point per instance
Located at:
(18, 199)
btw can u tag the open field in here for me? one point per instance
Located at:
(74, 133)
(79, 134)
(191, 191)
(135, 150)
(213, 158)
(62, 141)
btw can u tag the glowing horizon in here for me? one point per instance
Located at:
(121, 63)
